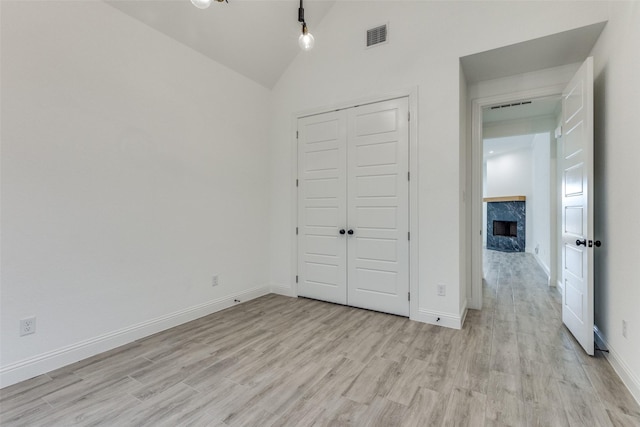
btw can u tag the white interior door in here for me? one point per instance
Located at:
(322, 209)
(378, 206)
(577, 206)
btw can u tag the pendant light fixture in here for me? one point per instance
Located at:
(306, 40)
(203, 4)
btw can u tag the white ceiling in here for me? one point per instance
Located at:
(256, 38)
(551, 51)
(542, 107)
(493, 147)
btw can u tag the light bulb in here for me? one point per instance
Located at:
(201, 4)
(306, 41)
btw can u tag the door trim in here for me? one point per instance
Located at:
(475, 287)
(412, 95)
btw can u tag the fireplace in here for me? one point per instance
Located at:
(506, 223)
(505, 228)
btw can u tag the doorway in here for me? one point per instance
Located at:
(353, 206)
(506, 127)
(520, 188)
(576, 182)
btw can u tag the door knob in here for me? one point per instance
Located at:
(581, 242)
(350, 231)
(597, 243)
(342, 231)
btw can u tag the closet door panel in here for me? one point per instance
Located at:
(378, 206)
(322, 212)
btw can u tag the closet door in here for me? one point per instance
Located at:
(322, 212)
(378, 206)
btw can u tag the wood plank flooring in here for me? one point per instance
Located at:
(278, 361)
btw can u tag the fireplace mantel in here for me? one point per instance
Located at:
(505, 199)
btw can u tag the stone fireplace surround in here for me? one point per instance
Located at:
(505, 211)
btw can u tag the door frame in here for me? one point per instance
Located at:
(412, 95)
(475, 287)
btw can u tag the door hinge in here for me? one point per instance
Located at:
(408, 296)
(296, 279)
(409, 116)
(408, 235)
(408, 176)
(296, 134)
(296, 231)
(558, 132)
(296, 182)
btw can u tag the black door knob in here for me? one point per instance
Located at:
(581, 242)
(342, 231)
(597, 243)
(350, 231)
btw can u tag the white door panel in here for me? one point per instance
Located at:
(383, 153)
(577, 206)
(353, 175)
(322, 207)
(378, 201)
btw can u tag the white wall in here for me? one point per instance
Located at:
(426, 40)
(465, 198)
(510, 174)
(541, 212)
(617, 194)
(133, 169)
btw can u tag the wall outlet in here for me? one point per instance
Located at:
(214, 281)
(27, 326)
(624, 328)
(442, 290)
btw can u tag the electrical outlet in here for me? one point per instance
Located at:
(624, 328)
(27, 326)
(442, 290)
(214, 281)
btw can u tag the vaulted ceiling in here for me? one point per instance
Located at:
(256, 38)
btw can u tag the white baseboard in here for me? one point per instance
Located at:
(441, 319)
(544, 267)
(283, 290)
(622, 369)
(46, 362)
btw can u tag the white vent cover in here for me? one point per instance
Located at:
(515, 104)
(377, 35)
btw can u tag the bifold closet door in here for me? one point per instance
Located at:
(378, 206)
(353, 212)
(322, 207)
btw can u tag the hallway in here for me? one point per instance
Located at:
(538, 361)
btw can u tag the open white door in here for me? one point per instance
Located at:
(577, 206)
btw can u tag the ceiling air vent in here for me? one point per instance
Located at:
(377, 35)
(515, 104)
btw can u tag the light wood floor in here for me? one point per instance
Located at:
(284, 361)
